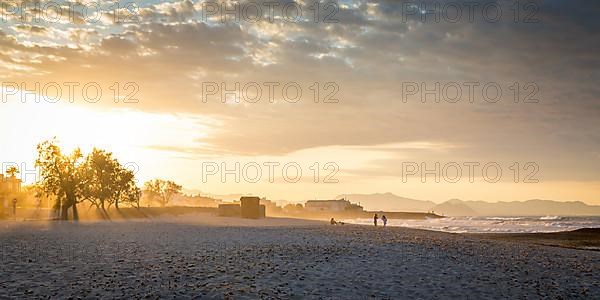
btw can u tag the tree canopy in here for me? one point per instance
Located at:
(161, 190)
(12, 171)
(97, 178)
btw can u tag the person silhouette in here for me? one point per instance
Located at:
(333, 222)
(375, 220)
(384, 219)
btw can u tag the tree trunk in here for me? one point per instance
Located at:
(64, 212)
(75, 213)
(104, 212)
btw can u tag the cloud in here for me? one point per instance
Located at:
(26, 28)
(170, 50)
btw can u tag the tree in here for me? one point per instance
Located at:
(12, 171)
(161, 190)
(61, 176)
(131, 195)
(99, 172)
(108, 182)
(125, 190)
(99, 179)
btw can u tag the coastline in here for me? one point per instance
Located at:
(189, 256)
(581, 239)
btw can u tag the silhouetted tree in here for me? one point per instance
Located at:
(161, 190)
(12, 171)
(108, 182)
(130, 195)
(99, 178)
(61, 176)
(125, 190)
(100, 175)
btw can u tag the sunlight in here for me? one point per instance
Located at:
(125, 132)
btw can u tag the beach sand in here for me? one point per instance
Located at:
(583, 239)
(203, 256)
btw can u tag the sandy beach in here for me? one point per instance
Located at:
(202, 256)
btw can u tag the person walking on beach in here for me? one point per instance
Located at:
(384, 219)
(375, 220)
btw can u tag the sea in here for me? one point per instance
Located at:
(493, 224)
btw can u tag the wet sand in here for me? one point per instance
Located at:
(582, 239)
(199, 257)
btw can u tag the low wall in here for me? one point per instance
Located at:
(85, 213)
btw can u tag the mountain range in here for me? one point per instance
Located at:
(388, 202)
(457, 207)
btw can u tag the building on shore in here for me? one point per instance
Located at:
(230, 210)
(247, 207)
(9, 187)
(340, 205)
(250, 207)
(195, 200)
(271, 207)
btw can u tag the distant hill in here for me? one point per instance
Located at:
(535, 207)
(454, 207)
(457, 207)
(388, 202)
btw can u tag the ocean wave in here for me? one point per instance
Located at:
(505, 218)
(551, 218)
(493, 224)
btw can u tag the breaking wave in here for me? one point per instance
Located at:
(494, 224)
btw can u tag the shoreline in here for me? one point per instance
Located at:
(587, 239)
(190, 258)
(581, 239)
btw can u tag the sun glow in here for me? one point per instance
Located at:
(125, 132)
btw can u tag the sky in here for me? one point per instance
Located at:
(308, 101)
